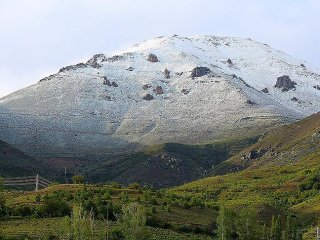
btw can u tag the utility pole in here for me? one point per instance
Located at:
(37, 182)
(65, 175)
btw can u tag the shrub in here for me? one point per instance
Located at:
(78, 179)
(116, 234)
(55, 207)
(133, 222)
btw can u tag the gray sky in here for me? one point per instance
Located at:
(38, 37)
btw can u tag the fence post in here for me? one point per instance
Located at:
(37, 182)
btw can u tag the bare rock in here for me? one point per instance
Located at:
(251, 102)
(73, 67)
(229, 61)
(285, 83)
(294, 99)
(148, 97)
(93, 62)
(316, 87)
(106, 81)
(200, 71)
(166, 74)
(146, 86)
(265, 90)
(159, 90)
(179, 73)
(114, 84)
(152, 58)
(185, 91)
(130, 69)
(254, 154)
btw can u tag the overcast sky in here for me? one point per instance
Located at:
(38, 37)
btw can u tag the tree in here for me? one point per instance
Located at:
(133, 222)
(79, 226)
(225, 223)
(291, 229)
(275, 232)
(78, 179)
(246, 226)
(264, 233)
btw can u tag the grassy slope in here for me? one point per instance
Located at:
(270, 184)
(283, 145)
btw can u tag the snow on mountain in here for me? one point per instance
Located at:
(167, 89)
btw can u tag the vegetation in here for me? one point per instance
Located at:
(78, 179)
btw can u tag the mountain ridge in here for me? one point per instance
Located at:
(165, 90)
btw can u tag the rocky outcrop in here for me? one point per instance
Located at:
(93, 62)
(265, 90)
(254, 154)
(106, 82)
(294, 99)
(152, 58)
(185, 91)
(73, 67)
(285, 83)
(179, 73)
(316, 87)
(166, 74)
(148, 97)
(115, 58)
(200, 71)
(130, 69)
(114, 84)
(230, 62)
(159, 90)
(146, 86)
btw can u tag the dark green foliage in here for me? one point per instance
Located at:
(116, 234)
(226, 224)
(54, 206)
(290, 232)
(78, 179)
(275, 232)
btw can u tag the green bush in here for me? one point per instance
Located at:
(116, 234)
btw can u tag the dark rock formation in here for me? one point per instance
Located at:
(316, 87)
(251, 102)
(302, 65)
(148, 97)
(166, 74)
(152, 58)
(285, 83)
(294, 99)
(265, 90)
(179, 73)
(114, 84)
(93, 62)
(185, 91)
(115, 58)
(106, 81)
(130, 69)
(146, 86)
(254, 154)
(73, 67)
(230, 62)
(159, 90)
(200, 71)
(48, 78)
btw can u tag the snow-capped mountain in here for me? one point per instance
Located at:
(168, 89)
